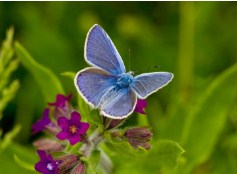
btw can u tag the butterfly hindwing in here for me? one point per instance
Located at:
(118, 103)
(148, 83)
(92, 83)
(101, 52)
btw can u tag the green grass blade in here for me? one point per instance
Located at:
(48, 82)
(207, 120)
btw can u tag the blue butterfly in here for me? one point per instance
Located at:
(106, 85)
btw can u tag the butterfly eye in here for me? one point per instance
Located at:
(132, 73)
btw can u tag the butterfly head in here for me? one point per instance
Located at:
(132, 73)
(125, 80)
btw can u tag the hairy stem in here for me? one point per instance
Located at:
(93, 141)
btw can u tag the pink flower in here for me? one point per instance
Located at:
(141, 104)
(72, 128)
(62, 106)
(46, 165)
(61, 101)
(41, 123)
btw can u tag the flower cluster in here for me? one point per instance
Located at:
(63, 122)
(64, 125)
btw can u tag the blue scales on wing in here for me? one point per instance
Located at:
(93, 83)
(101, 52)
(118, 103)
(148, 83)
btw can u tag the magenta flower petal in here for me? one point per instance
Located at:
(41, 123)
(61, 100)
(75, 117)
(46, 165)
(40, 167)
(75, 139)
(62, 135)
(140, 106)
(72, 129)
(83, 127)
(63, 122)
(62, 106)
(42, 154)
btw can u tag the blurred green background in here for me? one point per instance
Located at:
(197, 41)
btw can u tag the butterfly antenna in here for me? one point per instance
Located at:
(148, 68)
(129, 54)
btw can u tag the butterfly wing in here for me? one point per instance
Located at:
(92, 83)
(148, 83)
(118, 103)
(101, 52)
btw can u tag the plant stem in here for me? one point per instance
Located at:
(94, 141)
(186, 48)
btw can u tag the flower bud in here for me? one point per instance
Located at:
(141, 133)
(62, 107)
(67, 162)
(79, 169)
(52, 129)
(48, 145)
(66, 111)
(139, 136)
(110, 123)
(115, 122)
(137, 143)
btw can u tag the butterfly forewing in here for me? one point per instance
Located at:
(148, 83)
(101, 52)
(93, 83)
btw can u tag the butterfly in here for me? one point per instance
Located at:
(106, 85)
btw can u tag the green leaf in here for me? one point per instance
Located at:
(71, 75)
(164, 154)
(7, 65)
(167, 153)
(207, 120)
(219, 166)
(5, 75)
(9, 165)
(7, 51)
(48, 82)
(23, 164)
(9, 137)
(83, 107)
(121, 148)
(231, 142)
(7, 94)
(124, 149)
